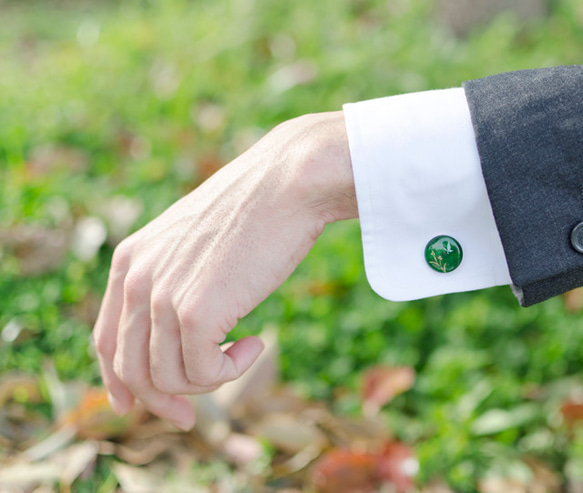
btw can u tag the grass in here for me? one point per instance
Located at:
(145, 99)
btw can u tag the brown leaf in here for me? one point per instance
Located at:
(380, 384)
(354, 433)
(140, 452)
(299, 461)
(545, 479)
(288, 433)
(574, 300)
(572, 412)
(47, 159)
(94, 418)
(283, 400)
(134, 479)
(344, 471)
(38, 250)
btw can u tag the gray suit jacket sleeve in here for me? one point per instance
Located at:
(529, 131)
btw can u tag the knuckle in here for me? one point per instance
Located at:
(103, 344)
(136, 286)
(160, 302)
(121, 257)
(189, 317)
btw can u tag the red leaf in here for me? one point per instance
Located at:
(572, 412)
(398, 465)
(343, 471)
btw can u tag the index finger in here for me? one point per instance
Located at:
(105, 337)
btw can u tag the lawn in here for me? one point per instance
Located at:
(110, 111)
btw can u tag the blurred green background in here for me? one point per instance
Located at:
(110, 111)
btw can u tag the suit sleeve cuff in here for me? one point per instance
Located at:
(417, 175)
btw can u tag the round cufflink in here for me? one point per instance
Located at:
(577, 237)
(443, 254)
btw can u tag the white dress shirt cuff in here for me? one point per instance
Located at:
(417, 175)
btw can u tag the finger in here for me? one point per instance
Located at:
(244, 352)
(166, 358)
(207, 364)
(132, 365)
(105, 338)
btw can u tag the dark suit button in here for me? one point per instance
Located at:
(577, 238)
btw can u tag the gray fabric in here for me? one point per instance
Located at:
(529, 131)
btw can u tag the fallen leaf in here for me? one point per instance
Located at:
(381, 384)
(242, 449)
(94, 418)
(50, 445)
(299, 461)
(38, 250)
(344, 471)
(47, 159)
(354, 433)
(137, 480)
(574, 300)
(212, 419)
(398, 465)
(23, 477)
(140, 452)
(572, 412)
(545, 479)
(75, 460)
(288, 433)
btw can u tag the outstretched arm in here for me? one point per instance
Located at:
(181, 283)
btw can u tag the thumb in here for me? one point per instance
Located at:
(244, 352)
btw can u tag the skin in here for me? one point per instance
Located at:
(179, 285)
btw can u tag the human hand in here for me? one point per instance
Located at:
(180, 284)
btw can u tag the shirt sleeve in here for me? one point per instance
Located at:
(417, 174)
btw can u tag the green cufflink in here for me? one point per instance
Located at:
(443, 254)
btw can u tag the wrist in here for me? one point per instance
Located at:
(325, 172)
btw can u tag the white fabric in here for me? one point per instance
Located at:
(417, 174)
